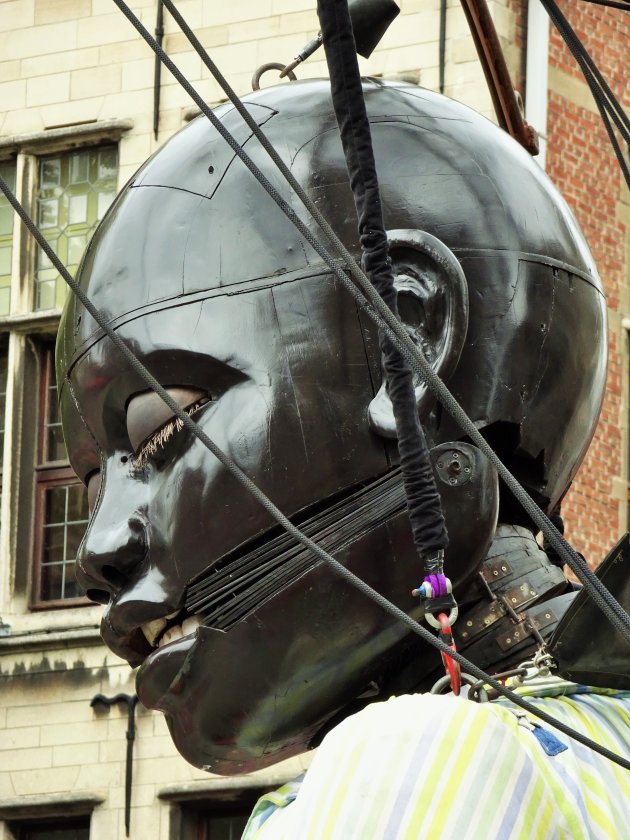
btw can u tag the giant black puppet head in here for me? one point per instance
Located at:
(217, 294)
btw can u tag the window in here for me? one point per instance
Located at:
(227, 826)
(66, 182)
(52, 829)
(74, 191)
(223, 816)
(61, 506)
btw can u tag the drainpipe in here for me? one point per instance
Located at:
(442, 43)
(537, 71)
(157, 75)
(131, 701)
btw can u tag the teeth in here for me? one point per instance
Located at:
(190, 624)
(171, 635)
(152, 629)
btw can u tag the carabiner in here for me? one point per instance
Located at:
(452, 668)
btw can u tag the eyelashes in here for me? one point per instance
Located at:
(158, 440)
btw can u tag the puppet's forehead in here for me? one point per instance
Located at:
(194, 220)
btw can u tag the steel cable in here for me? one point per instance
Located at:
(607, 104)
(612, 4)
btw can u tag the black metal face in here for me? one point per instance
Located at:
(213, 289)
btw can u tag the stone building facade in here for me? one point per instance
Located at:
(76, 120)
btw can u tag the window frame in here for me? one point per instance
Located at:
(47, 475)
(30, 828)
(24, 475)
(190, 820)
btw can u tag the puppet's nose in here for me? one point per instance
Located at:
(109, 557)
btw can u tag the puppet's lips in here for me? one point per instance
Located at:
(142, 642)
(157, 677)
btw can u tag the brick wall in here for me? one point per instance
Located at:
(582, 164)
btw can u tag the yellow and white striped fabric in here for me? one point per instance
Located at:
(426, 766)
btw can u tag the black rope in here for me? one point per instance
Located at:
(383, 317)
(611, 4)
(583, 57)
(609, 107)
(235, 470)
(423, 500)
(417, 473)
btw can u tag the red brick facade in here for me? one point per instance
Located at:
(581, 162)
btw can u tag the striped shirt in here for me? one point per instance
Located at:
(427, 766)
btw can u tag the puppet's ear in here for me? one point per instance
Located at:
(432, 305)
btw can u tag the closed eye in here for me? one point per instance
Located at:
(150, 422)
(158, 440)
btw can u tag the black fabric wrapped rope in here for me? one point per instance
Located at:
(423, 500)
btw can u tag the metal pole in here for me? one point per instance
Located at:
(157, 77)
(497, 75)
(442, 43)
(131, 701)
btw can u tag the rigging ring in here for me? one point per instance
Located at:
(271, 65)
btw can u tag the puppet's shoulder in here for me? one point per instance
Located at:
(439, 766)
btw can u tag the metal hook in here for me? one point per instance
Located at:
(272, 65)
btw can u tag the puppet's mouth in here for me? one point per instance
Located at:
(171, 628)
(137, 644)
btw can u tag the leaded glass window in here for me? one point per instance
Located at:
(75, 190)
